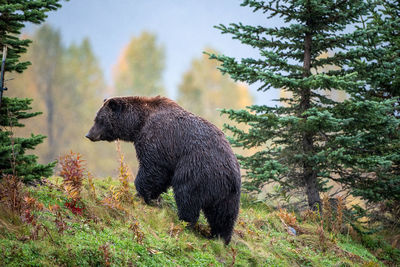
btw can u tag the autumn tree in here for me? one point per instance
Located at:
(77, 88)
(140, 67)
(84, 81)
(204, 90)
(46, 53)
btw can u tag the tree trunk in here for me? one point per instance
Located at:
(309, 175)
(50, 123)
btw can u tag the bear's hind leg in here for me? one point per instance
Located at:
(151, 182)
(222, 216)
(188, 208)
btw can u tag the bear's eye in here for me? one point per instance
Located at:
(98, 121)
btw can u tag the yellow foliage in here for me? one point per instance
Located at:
(204, 90)
(175, 230)
(138, 234)
(288, 218)
(68, 88)
(92, 189)
(123, 192)
(139, 67)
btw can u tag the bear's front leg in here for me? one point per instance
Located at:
(151, 182)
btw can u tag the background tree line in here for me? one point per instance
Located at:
(68, 85)
(304, 145)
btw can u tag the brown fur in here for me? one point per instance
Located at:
(176, 148)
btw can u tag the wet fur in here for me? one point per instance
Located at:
(176, 148)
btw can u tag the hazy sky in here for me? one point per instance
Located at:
(183, 27)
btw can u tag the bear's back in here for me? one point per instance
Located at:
(172, 130)
(184, 126)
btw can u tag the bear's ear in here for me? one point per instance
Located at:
(115, 105)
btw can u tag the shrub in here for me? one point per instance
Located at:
(72, 171)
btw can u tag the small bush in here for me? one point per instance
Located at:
(124, 193)
(138, 234)
(72, 171)
(12, 193)
(91, 187)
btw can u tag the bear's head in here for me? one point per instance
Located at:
(118, 118)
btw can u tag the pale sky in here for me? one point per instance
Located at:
(183, 27)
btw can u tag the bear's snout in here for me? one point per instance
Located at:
(92, 137)
(88, 137)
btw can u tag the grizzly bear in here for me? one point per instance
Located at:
(179, 149)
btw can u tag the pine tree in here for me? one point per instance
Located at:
(13, 15)
(292, 138)
(376, 44)
(13, 157)
(364, 151)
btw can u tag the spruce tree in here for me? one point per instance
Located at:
(376, 44)
(364, 151)
(292, 138)
(13, 157)
(13, 15)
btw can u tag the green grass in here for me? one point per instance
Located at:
(103, 236)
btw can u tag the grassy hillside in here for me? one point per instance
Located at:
(102, 232)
